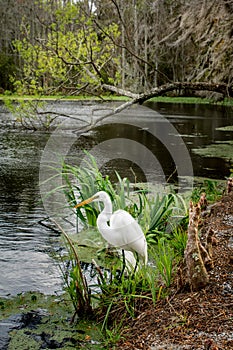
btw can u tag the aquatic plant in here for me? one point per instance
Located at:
(75, 281)
(179, 241)
(153, 213)
(163, 255)
(121, 293)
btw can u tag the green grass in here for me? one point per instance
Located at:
(191, 100)
(213, 189)
(15, 97)
(108, 97)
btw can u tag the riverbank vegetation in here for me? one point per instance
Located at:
(106, 98)
(97, 314)
(121, 297)
(157, 215)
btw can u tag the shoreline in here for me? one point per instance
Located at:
(228, 102)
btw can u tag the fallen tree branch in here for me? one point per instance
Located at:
(158, 91)
(224, 89)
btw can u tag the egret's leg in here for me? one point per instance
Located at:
(136, 265)
(123, 263)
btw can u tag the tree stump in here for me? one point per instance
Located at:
(230, 185)
(194, 252)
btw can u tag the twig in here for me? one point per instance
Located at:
(84, 282)
(98, 270)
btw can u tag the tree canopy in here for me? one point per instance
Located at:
(70, 47)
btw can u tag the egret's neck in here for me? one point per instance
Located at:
(106, 213)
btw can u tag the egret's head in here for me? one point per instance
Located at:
(87, 201)
(100, 196)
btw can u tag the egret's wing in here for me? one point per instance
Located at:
(126, 233)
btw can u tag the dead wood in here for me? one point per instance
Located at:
(195, 251)
(230, 185)
(209, 245)
(224, 89)
(203, 201)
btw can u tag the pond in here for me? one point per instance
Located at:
(145, 143)
(207, 131)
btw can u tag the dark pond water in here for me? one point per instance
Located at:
(137, 143)
(202, 127)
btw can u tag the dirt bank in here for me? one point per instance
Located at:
(194, 320)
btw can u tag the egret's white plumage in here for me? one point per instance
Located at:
(119, 229)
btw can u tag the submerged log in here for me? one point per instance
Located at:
(194, 252)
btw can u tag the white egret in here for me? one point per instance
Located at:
(119, 229)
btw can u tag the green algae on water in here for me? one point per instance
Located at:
(225, 128)
(53, 328)
(222, 149)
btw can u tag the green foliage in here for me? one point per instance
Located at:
(30, 114)
(126, 294)
(192, 100)
(123, 291)
(154, 214)
(113, 334)
(211, 188)
(163, 255)
(73, 54)
(83, 182)
(179, 241)
(162, 213)
(75, 281)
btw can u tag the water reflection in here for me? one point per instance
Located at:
(24, 243)
(198, 125)
(165, 163)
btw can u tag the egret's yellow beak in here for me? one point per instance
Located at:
(86, 201)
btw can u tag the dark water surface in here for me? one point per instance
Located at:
(26, 262)
(24, 243)
(199, 127)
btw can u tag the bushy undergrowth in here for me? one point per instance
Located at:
(159, 218)
(119, 293)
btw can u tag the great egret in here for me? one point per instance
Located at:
(119, 229)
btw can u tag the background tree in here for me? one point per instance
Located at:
(204, 36)
(71, 46)
(69, 54)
